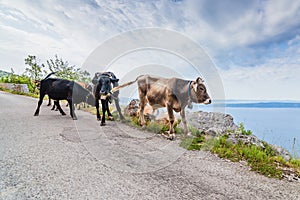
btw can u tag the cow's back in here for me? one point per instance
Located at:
(57, 89)
(158, 91)
(154, 89)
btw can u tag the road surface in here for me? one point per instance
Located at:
(53, 157)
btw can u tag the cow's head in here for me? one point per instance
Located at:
(105, 84)
(199, 92)
(96, 78)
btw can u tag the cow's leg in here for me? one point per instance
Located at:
(56, 103)
(97, 109)
(110, 117)
(72, 109)
(104, 104)
(171, 120)
(119, 108)
(54, 107)
(185, 127)
(142, 107)
(39, 104)
(49, 102)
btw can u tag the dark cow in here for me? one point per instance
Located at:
(61, 89)
(38, 86)
(103, 83)
(174, 93)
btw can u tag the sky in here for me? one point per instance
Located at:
(254, 45)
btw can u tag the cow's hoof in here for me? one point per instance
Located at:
(98, 119)
(65, 114)
(110, 118)
(168, 135)
(36, 114)
(172, 136)
(102, 124)
(74, 118)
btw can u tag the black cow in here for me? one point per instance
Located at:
(61, 89)
(38, 86)
(103, 84)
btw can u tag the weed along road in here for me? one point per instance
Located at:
(53, 156)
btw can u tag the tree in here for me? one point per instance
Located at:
(84, 76)
(63, 70)
(34, 71)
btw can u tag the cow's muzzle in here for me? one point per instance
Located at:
(207, 101)
(104, 96)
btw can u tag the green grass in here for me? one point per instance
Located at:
(264, 161)
(190, 143)
(241, 130)
(20, 93)
(259, 160)
(153, 126)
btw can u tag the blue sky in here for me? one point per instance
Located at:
(255, 45)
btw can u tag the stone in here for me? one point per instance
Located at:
(212, 123)
(245, 139)
(282, 152)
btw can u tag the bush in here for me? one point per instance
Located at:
(243, 131)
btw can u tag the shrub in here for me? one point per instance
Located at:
(192, 143)
(243, 131)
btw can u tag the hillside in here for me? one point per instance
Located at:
(4, 73)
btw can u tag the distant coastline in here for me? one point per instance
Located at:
(260, 105)
(241, 103)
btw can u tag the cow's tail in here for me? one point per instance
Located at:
(49, 75)
(124, 85)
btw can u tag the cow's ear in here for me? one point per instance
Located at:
(114, 80)
(194, 85)
(199, 80)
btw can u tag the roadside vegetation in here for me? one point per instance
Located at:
(34, 70)
(262, 160)
(265, 160)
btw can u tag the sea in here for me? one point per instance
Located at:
(276, 122)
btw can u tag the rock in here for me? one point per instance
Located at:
(215, 124)
(212, 123)
(282, 152)
(245, 139)
(16, 87)
(163, 118)
(132, 108)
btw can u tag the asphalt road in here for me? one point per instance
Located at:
(53, 157)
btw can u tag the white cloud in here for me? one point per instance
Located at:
(277, 79)
(246, 39)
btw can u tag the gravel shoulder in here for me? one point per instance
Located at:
(53, 157)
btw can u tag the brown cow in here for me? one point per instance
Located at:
(174, 93)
